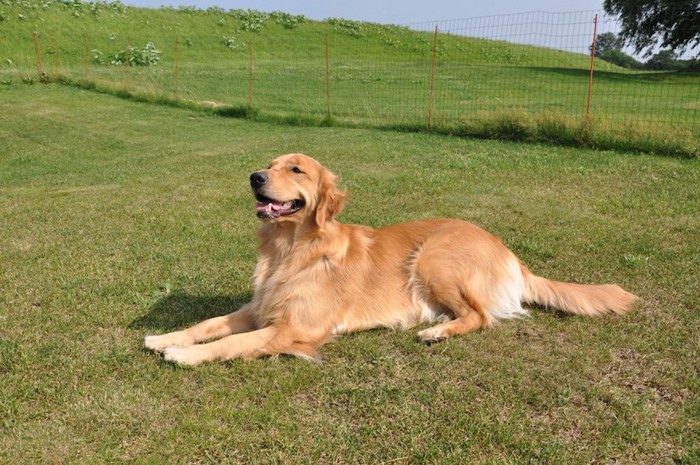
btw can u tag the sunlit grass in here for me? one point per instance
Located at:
(121, 219)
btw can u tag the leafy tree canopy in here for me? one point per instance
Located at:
(671, 24)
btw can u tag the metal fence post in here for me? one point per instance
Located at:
(250, 74)
(328, 81)
(432, 80)
(590, 79)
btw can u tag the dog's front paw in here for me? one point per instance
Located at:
(155, 343)
(186, 356)
(159, 343)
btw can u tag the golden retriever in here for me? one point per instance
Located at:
(316, 277)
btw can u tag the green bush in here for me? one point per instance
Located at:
(287, 20)
(149, 55)
(230, 42)
(346, 26)
(250, 20)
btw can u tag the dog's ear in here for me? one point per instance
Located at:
(330, 199)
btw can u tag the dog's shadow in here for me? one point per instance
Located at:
(177, 310)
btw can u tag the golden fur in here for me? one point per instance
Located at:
(316, 277)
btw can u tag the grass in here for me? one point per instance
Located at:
(122, 219)
(380, 75)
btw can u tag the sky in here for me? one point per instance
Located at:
(387, 11)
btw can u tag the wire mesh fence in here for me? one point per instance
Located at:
(523, 67)
(540, 79)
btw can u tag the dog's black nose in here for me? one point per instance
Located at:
(257, 179)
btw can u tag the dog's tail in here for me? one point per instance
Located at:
(581, 299)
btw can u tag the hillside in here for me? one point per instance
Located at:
(218, 36)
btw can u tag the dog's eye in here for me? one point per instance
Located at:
(296, 169)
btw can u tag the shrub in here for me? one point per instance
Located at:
(187, 9)
(250, 20)
(286, 20)
(230, 42)
(217, 10)
(149, 55)
(347, 26)
(97, 56)
(96, 7)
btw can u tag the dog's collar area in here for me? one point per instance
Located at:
(268, 208)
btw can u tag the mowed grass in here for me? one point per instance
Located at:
(121, 219)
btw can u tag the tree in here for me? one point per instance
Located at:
(664, 60)
(670, 24)
(608, 47)
(620, 58)
(608, 42)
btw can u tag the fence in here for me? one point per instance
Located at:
(574, 83)
(525, 67)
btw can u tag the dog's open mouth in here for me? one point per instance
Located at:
(268, 208)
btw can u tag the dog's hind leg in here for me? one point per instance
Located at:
(468, 313)
(454, 287)
(459, 325)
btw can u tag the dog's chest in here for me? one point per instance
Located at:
(289, 289)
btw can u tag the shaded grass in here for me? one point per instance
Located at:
(150, 226)
(513, 125)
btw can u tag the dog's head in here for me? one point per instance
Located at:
(296, 188)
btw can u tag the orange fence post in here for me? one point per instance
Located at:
(250, 74)
(432, 81)
(38, 55)
(590, 78)
(328, 81)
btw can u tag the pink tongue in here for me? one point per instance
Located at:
(272, 206)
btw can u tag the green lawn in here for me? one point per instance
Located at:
(121, 219)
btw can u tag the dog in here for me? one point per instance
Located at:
(317, 278)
